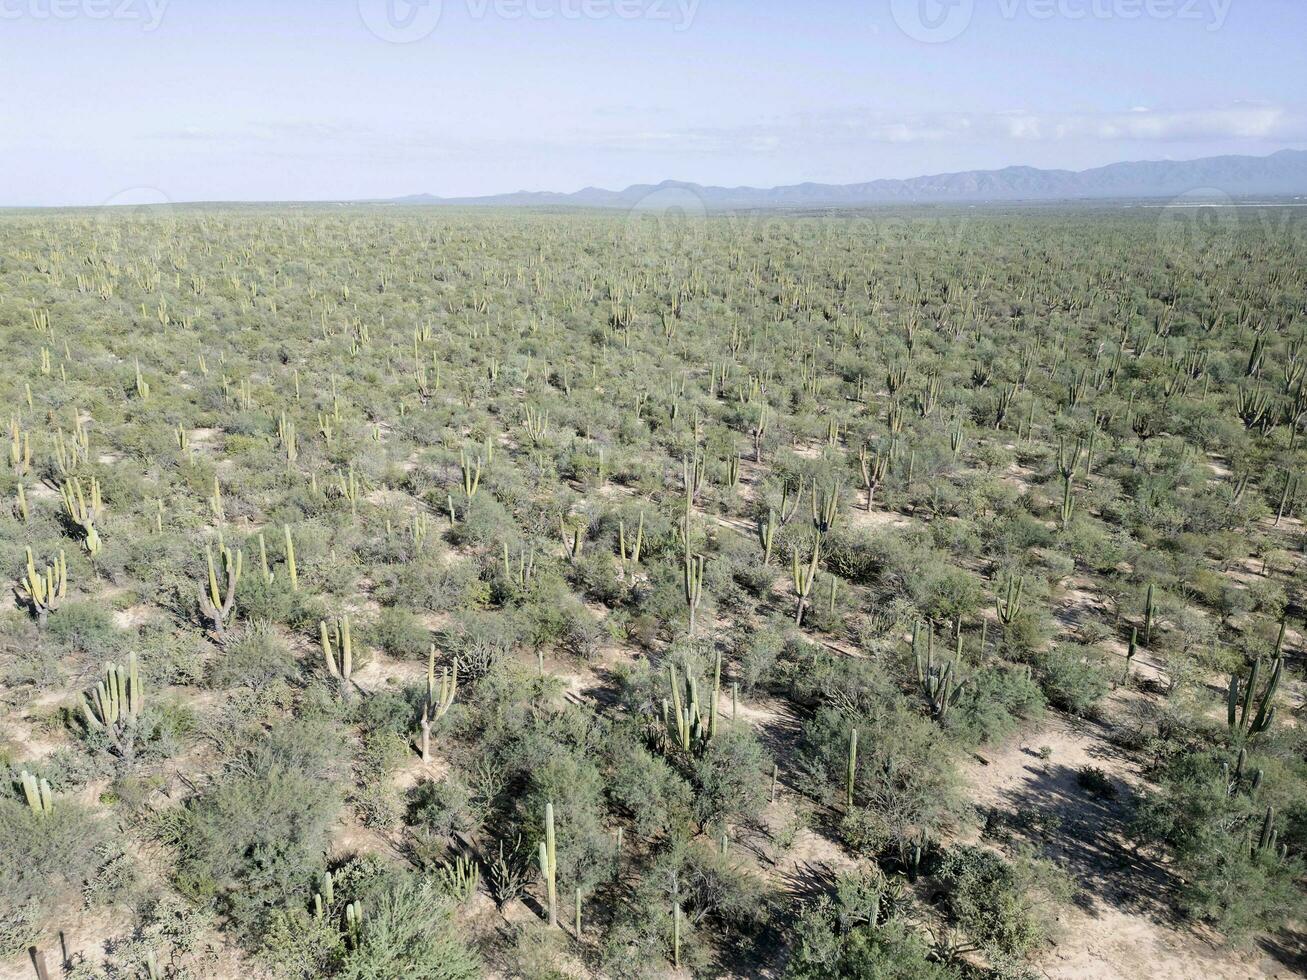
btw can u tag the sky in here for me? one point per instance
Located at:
(124, 101)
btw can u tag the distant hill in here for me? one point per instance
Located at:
(1282, 173)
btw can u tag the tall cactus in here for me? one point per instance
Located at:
(941, 689)
(117, 701)
(767, 535)
(44, 591)
(851, 775)
(802, 578)
(1240, 715)
(439, 699)
(217, 601)
(693, 583)
(1009, 607)
(81, 513)
(291, 568)
(873, 467)
(693, 722)
(337, 648)
(549, 865)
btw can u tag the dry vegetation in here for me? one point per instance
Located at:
(888, 596)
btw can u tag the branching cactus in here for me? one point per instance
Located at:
(218, 597)
(630, 555)
(693, 723)
(38, 794)
(1008, 607)
(20, 449)
(471, 471)
(440, 698)
(937, 681)
(1240, 714)
(825, 508)
(337, 648)
(803, 576)
(874, 467)
(116, 703)
(44, 591)
(81, 513)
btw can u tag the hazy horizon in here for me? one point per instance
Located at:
(183, 100)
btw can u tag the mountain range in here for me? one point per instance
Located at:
(1280, 174)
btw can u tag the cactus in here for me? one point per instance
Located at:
(1009, 607)
(44, 592)
(767, 535)
(439, 699)
(354, 923)
(291, 568)
(1239, 712)
(873, 467)
(1130, 655)
(20, 449)
(825, 508)
(1149, 610)
(337, 648)
(852, 773)
(216, 603)
(693, 723)
(693, 582)
(803, 577)
(629, 558)
(937, 682)
(549, 865)
(471, 475)
(38, 794)
(117, 701)
(82, 514)
(460, 878)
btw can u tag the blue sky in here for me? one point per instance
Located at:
(291, 99)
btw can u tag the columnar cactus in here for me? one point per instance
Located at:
(549, 865)
(337, 648)
(1009, 607)
(439, 699)
(471, 472)
(873, 467)
(38, 794)
(693, 582)
(117, 701)
(937, 682)
(291, 569)
(851, 775)
(81, 513)
(1240, 715)
(630, 556)
(44, 591)
(767, 535)
(803, 576)
(217, 602)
